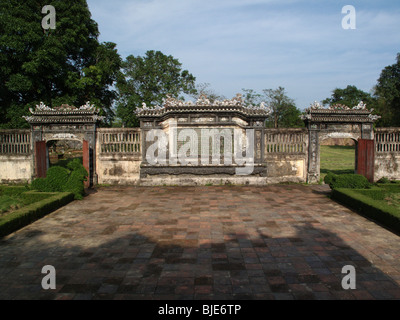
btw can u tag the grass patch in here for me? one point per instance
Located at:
(10, 198)
(337, 159)
(8, 203)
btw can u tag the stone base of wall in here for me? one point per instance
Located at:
(16, 168)
(131, 180)
(148, 171)
(221, 179)
(117, 169)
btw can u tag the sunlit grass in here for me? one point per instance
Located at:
(337, 159)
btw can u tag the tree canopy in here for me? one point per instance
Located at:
(387, 92)
(350, 97)
(149, 80)
(284, 114)
(62, 65)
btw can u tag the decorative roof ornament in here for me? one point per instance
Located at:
(64, 113)
(360, 106)
(42, 107)
(203, 101)
(339, 106)
(338, 113)
(374, 117)
(315, 106)
(89, 107)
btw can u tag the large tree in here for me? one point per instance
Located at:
(350, 96)
(284, 113)
(387, 92)
(282, 107)
(204, 88)
(62, 65)
(149, 80)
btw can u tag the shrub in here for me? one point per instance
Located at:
(76, 166)
(61, 179)
(383, 180)
(75, 184)
(57, 178)
(329, 177)
(41, 184)
(349, 180)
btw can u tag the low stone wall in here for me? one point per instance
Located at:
(16, 156)
(282, 156)
(387, 153)
(286, 155)
(118, 155)
(16, 168)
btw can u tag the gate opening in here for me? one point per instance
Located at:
(338, 155)
(63, 151)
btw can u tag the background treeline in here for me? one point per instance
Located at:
(68, 65)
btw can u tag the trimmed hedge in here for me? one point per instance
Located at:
(377, 210)
(347, 180)
(30, 197)
(24, 216)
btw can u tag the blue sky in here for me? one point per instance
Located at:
(260, 44)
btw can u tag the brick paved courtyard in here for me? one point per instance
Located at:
(211, 242)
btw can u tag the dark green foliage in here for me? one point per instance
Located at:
(26, 215)
(56, 178)
(40, 184)
(76, 165)
(30, 197)
(150, 79)
(375, 194)
(387, 91)
(12, 190)
(285, 114)
(12, 197)
(350, 97)
(65, 65)
(329, 178)
(75, 184)
(383, 180)
(61, 179)
(349, 180)
(64, 162)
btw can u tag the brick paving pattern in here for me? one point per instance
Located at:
(210, 242)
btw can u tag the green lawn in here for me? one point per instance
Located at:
(10, 198)
(337, 159)
(13, 198)
(8, 203)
